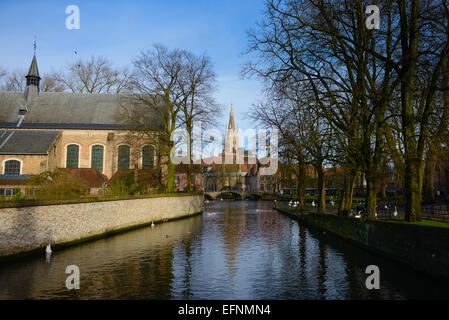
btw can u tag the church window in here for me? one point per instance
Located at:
(147, 157)
(97, 157)
(12, 167)
(73, 152)
(124, 157)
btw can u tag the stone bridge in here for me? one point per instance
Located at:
(214, 195)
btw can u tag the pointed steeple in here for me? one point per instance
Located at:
(33, 79)
(33, 74)
(231, 120)
(33, 71)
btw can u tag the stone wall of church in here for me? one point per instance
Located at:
(30, 164)
(32, 228)
(109, 139)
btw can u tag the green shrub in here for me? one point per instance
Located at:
(125, 185)
(18, 195)
(57, 185)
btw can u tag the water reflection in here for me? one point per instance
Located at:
(235, 250)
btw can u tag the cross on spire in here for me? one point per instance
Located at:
(35, 45)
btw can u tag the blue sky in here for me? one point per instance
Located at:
(120, 30)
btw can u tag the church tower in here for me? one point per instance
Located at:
(33, 79)
(232, 135)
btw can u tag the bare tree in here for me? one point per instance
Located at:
(200, 84)
(95, 75)
(160, 88)
(13, 81)
(50, 83)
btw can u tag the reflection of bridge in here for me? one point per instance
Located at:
(213, 195)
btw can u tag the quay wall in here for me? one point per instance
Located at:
(26, 230)
(424, 248)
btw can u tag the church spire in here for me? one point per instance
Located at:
(33, 78)
(231, 120)
(33, 73)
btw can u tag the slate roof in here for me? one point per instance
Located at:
(62, 110)
(26, 141)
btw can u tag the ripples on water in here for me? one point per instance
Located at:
(235, 250)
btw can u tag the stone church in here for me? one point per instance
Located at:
(43, 131)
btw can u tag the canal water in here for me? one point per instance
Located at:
(235, 250)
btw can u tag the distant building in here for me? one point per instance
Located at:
(246, 176)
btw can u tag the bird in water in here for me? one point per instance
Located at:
(313, 203)
(152, 224)
(48, 249)
(395, 211)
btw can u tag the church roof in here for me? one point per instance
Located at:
(26, 141)
(61, 110)
(33, 71)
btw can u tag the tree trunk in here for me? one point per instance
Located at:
(412, 192)
(321, 191)
(189, 154)
(345, 205)
(170, 171)
(409, 44)
(429, 177)
(301, 187)
(371, 195)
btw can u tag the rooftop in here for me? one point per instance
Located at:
(26, 141)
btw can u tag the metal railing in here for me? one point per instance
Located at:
(434, 211)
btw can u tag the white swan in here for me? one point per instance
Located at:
(313, 203)
(152, 224)
(48, 249)
(395, 211)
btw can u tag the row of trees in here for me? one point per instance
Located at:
(362, 99)
(164, 90)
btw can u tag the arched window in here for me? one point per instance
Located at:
(97, 157)
(12, 167)
(147, 157)
(73, 152)
(124, 157)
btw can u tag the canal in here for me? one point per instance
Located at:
(235, 250)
